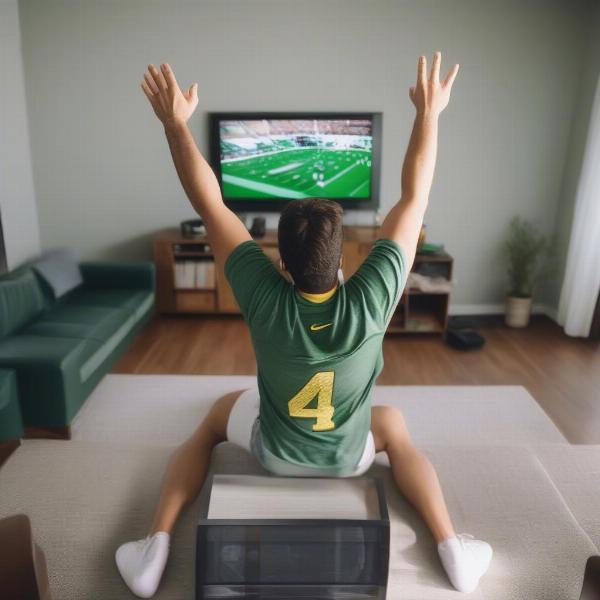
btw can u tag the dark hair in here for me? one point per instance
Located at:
(310, 242)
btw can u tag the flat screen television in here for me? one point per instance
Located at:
(264, 160)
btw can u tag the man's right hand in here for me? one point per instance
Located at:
(170, 104)
(430, 96)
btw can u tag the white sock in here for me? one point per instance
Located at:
(142, 563)
(465, 560)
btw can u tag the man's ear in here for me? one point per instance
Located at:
(285, 272)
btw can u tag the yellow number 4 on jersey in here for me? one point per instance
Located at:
(321, 385)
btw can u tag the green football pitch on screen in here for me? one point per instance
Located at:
(291, 158)
(294, 173)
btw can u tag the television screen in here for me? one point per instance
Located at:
(266, 159)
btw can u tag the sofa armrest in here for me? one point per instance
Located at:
(137, 275)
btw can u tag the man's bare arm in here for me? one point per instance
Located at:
(174, 107)
(403, 223)
(224, 228)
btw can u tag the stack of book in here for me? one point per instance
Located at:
(428, 284)
(198, 274)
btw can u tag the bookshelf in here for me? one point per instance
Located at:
(424, 311)
(417, 312)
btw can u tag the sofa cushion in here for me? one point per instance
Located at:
(91, 322)
(118, 275)
(59, 329)
(60, 269)
(136, 301)
(21, 301)
(16, 350)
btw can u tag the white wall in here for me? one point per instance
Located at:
(102, 170)
(17, 200)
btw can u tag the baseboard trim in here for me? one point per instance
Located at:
(550, 311)
(460, 310)
(48, 433)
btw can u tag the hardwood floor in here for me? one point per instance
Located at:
(561, 373)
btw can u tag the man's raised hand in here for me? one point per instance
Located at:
(170, 104)
(429, 95)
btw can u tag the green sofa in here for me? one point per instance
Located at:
(61, 348)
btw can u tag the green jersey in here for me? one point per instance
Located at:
(317, 362)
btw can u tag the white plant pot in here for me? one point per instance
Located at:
(517, 311)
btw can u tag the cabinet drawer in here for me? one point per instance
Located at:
(195, 301)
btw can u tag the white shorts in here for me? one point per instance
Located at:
(243, 429)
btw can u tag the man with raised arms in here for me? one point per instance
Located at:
(318, 342)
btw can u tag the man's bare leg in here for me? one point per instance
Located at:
(141, 563)
(187, 468)
(413, 473)
(464, 559)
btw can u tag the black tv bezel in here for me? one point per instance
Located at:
(276, 204)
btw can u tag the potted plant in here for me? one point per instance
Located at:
(524, 248)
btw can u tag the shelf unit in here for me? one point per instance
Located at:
(417, 312)
(424, 312)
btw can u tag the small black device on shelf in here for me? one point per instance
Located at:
(259, 227)
(193, 227)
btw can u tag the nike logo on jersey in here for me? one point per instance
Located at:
(315, 327)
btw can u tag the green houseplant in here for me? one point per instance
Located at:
(525, 247)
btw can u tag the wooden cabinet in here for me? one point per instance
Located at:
(417, 312)
(226, 302)
(192, 301)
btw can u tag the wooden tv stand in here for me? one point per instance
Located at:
(417, 312)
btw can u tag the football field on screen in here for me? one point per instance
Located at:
(299, 173)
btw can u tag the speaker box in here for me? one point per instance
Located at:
(259, 226)
(464, 339)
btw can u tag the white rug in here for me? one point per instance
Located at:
(87, 496)
(165, 409)
(576, 473)
(84, 499)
